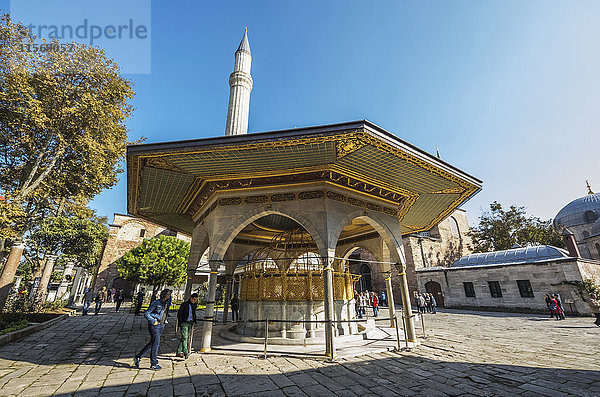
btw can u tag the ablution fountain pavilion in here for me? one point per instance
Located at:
(282, 211)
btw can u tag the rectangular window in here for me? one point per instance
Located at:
(525, 288)
(469, 290)
(142, 232)
(495, 290)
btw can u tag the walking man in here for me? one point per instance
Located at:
(100, 299)
(186, 315)
(139, 301)
(433, 304)
(155, 315)
(119, 299)
(235, 308)
(88, 298)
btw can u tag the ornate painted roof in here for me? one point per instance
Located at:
(574, 213)
(172, 183)
(513, 256)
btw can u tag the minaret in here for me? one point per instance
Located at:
(240, 83)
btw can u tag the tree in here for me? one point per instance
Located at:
(61, 117)
(62, 128)
(65, 239)
(501, 229)
(157, 261)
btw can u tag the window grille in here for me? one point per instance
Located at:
(469, 290)
(525, 288)
(495, 290)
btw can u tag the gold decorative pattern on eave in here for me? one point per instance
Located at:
(348, 145)
(161, 163)
(451, 190)
(210, 188)
(345, 144)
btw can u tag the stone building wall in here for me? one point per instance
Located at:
(544, 277)
(126, 233)
(441, 248)
(593, 245)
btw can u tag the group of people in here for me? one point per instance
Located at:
(426, 303)
(365, 299)
(156, 315)
(101, 296)
(555, 305)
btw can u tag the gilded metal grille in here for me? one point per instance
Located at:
(301, 286)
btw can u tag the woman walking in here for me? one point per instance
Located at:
(555, 309)
(595, 304)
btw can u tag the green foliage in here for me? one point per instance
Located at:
(501, 229)
(157, 261)
(76, 239)
(19, 303)
(62, 126)
(57, 305)
(56, 277)
(588, 286)
(25, 271)
(10, 326)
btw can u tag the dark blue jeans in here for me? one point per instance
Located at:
(155, 333)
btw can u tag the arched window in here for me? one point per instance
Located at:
(454, 227)
(365, 279)
(591, 216)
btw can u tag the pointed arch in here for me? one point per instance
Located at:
(380, 226)
(225, 239)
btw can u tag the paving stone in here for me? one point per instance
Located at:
(463, 355)
(293, 391)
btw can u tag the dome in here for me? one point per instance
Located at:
(580, 211)
(513, 256)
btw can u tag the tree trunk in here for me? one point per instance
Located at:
(42, 291)
(8, 274)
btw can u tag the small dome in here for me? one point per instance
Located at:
(513, 256)
(580, 211)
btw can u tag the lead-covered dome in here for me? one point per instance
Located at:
(581, 211)
(513, 256)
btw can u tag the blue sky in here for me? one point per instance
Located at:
(508, 90)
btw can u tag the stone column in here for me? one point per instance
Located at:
(76, 286)
(10, 269)
(42, 291)
(188, 284)
(390, 299)
(210, 308)
(228, 288)
(328, 303)
(408, 319)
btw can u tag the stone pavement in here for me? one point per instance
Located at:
(466, 353)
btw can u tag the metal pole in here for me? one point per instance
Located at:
(423, 326)
(397, 332)
(404, 328)
(191, 338)
(266, 335)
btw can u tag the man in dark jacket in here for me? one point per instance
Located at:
(186, 316)
(139, 301)
(155, 315)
